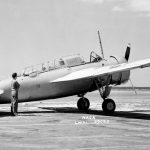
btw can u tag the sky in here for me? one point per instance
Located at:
(36, 31)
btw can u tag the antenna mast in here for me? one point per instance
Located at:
(101, 47)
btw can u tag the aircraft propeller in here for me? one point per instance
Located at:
(127, 54)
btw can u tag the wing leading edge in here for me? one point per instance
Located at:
(94, 72)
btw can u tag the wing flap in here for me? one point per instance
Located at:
(94, 72)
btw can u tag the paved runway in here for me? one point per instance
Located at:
(57, 124)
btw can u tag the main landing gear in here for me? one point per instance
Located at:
(108, 105)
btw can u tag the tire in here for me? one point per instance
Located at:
(83, 104)
(108, 106)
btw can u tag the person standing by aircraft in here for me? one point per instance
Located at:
(14, 94)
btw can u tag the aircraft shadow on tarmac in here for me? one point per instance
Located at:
(4, 114)
(124, 114)
(72, 110)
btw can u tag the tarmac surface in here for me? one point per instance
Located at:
(57, 124)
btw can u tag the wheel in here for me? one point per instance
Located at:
(108, 106)
(83, 104)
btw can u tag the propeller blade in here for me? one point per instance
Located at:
(133, 86)
(127, 54)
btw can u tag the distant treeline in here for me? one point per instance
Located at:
(130, 88)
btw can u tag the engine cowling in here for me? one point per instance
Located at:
(119, 77)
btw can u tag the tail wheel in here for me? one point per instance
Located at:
(108, 106)
(83, 104)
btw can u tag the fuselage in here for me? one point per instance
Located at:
(38, 86)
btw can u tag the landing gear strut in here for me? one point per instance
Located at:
(83, 104)
(108, 105)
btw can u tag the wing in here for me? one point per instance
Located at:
(108, 70)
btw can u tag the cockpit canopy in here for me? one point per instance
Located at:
(68, 61)
(74, 60)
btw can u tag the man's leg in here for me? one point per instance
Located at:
(16, 106)
(13, 106)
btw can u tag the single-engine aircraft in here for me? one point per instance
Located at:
(70, 76)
